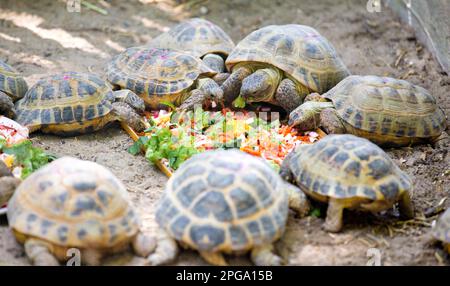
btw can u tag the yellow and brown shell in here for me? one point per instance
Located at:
(73, 203)
(348, 167)
(196, 36)
(387, 108)
(156, 75)
(11, 82)
(300, 51)
(224, 201)
(72, 99)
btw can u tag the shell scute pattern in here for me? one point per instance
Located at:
(154, 72)
(83, 206)
(197, 36)
(346, 166)
(224, 203)
(64, 98)
(11, 82)
(387, 106)
(300, 51)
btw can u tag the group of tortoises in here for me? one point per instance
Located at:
(219, 201)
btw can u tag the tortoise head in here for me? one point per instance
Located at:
(260, 85)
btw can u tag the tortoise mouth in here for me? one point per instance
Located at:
(260, 95)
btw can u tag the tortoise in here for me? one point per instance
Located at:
(281, 64)
(441, 230)
(8, 184)
(225, 201)
(73, 103)
(12, 88)
(387, 111)
(199, 37)
(348, 172)
(71, 203)
(162, 76)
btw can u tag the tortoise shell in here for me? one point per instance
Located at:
(346, 166)
(196, 36)
(388, 107)
(11, 82)
(225, 201)
(441, 230)
(69, 98)
(73, 203)
(299, 51)
(156, 75)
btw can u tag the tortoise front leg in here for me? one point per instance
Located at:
(264, 256)
(297, 200)
(406, 206)
(143, 244)
(7, 187)
(166, 249)
(331, 122)
(232, 86)
(335, 213)
(214, 62)
(125, 113)
(195, 99)
(132, 99)
(39, 253)
(307, 116)
(288, 96)
(6, 106)
(214, 258)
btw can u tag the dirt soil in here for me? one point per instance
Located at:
(41, 38)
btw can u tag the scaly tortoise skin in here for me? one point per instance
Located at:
(387, 111)
(199, 37)
(12, 88)
(281, 64)
(162, 76)
(73, 103)
(441, 231)
(71, 203)
(8, 184)
(348, 172)
(225, 202)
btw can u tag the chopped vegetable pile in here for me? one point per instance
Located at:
(17, 152)
(23, 158)
(174, 137)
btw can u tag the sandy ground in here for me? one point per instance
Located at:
(41, 37)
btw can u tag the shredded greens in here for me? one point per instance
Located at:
(239, 102)
(162, 144)
(26, 156)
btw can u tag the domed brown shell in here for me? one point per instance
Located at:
(224, 201)
(300, 51)
(73, 203)
(346, 166)
(65, 98)
(387, 106)
(156, 75)
(11, 82)
(196, 36)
